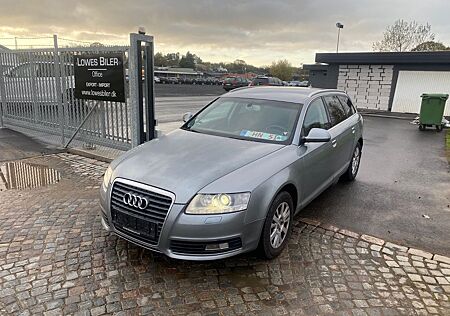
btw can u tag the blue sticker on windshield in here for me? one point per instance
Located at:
(262, 135)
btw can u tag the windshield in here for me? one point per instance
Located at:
(249, 119)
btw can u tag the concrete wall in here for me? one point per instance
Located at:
(369, 86)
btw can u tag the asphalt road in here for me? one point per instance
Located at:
(403, 175)
(171, 109)
(172, 90)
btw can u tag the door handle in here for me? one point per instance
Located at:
(334, 142)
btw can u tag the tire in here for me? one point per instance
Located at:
(439, 128)
(272, 247)
(353, 167)
(421, 127)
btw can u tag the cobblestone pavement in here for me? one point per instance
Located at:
(56, 259)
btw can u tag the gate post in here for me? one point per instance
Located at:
(2, 90)
(58, 83)
(139, 132)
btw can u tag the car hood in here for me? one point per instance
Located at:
(184, 162)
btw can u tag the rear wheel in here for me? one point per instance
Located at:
(353, 167)
(278, 226)
(439, 128)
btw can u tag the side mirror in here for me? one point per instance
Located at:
(317, 135)
(187, 116)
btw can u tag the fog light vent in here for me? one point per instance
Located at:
(214, 247)
(205, 247)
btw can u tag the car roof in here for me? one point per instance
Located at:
(285, 94)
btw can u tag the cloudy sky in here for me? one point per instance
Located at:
(257, 31)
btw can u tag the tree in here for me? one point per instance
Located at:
(282, 69)
(173, 59)
(404, 36)
(160, 60)
(429, 47)
(188, 61)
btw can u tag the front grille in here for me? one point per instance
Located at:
(142, 224)
(199, 247)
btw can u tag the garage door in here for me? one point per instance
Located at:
(411, 85)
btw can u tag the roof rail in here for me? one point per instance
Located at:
(324, 90)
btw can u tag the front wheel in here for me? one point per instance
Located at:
(353, 167)
(278, 226)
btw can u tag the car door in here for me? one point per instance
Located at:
(316, 172)
(341, 134)
(353, 119)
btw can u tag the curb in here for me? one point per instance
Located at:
(377, 241)
(386, 116)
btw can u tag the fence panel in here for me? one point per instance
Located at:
(37, 95)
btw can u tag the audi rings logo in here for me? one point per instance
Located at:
(135, 201)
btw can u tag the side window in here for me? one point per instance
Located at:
(347, 104)
(337, 113)
(316, 117)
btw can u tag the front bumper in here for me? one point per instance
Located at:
(185, 236)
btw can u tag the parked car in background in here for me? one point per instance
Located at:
(233, 177)
(186, 80)
(296, 83)
(212, 81)
(156, 79)
(304, 83)
(163, 80)
(169, 80)
(266, 81)
(231, 83)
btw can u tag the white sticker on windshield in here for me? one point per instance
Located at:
(262, 135)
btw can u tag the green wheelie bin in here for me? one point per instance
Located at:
(432, 110)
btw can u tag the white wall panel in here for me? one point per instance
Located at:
(412, 84)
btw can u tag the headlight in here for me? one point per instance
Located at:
(218, 203)
(107, 177)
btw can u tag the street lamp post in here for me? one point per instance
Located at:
(339, 27)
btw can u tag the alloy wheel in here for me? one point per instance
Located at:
(355, 160)
(280, 225)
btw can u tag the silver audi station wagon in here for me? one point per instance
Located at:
(233, 177)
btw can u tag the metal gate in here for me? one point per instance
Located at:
(37, 95)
